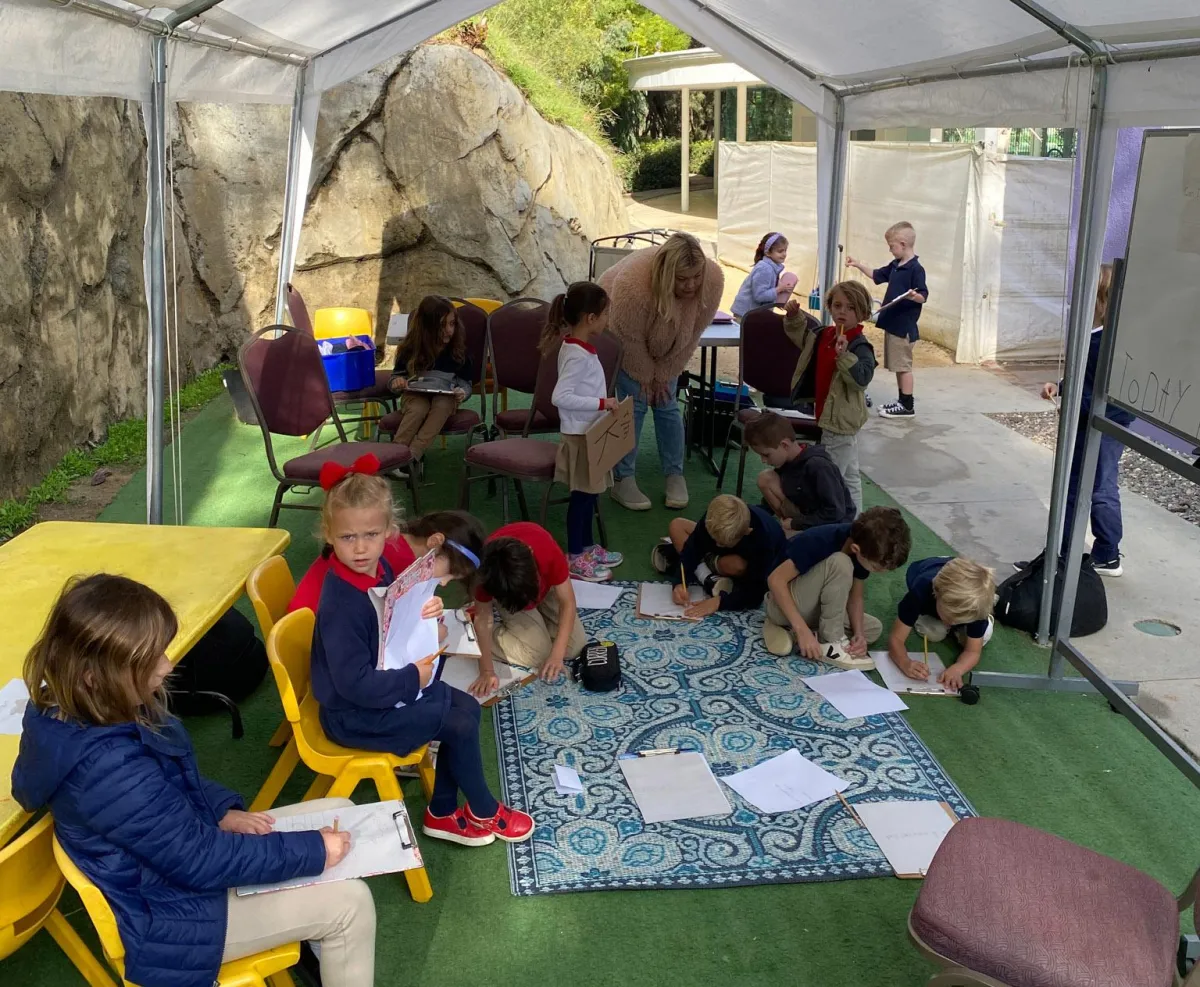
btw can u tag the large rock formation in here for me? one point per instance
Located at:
(431, 174)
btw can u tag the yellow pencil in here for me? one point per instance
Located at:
(925, 649)
(849, 808)
(682, 577)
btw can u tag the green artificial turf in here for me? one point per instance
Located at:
(1063, 763)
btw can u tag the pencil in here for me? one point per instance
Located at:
(335, 824)
(849, 808)
(682, 577)
(925, 648)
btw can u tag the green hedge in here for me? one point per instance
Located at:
(656, 164)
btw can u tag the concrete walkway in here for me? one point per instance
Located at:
(986, 490)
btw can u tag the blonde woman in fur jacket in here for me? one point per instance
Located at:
(663, 298)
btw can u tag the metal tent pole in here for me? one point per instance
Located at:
(837, 191)
(1078, 333)
(156, 277)
(293, 198)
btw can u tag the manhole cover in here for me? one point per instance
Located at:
(1157, 628)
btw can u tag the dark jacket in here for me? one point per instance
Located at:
(816, 488)
(357, 699)
(763, 549)
(845, 410)
(132, 811)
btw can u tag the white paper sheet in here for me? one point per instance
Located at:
(595, 596)
(897, 681)
(785, 783)
(567, 781)
(793, 413)
(460, 671)
(460, 635)
(381, 842)
(674, 786)
(655, 602)
(908, 833)
(853, 694)
(411, 637)
(13, 697)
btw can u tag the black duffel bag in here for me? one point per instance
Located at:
(224, 667)
(1019, 599)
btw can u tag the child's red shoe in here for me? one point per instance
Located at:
(508, 824)
(457, 828)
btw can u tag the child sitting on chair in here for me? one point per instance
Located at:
(524, 573)
(804, 487)
(762, 284)
(821, 583)
(730, 551)
(435, 351)
(944, 594)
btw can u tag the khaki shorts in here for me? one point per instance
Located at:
(897, 353)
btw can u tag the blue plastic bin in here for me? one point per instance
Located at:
(349, 369)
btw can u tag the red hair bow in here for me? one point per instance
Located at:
(334, 473)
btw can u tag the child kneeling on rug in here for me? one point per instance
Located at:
(394, 710)
(730, 551)
(821, 583)
(524, 572)
(944, 594)
(804, 487)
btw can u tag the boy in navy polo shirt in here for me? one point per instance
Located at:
(906, 287)
(820, 584)
(944, 594)
(730, 552)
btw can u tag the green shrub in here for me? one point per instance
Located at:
(656, 164)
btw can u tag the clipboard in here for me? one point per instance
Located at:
(459, 671)
(382, 841)
(899, 846)
(654, 602)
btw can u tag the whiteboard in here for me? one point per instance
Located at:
(1155, 369)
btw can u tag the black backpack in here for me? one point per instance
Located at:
(1019, 600)
(224, 667)
(598, 667)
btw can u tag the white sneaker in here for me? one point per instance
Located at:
(677, 492)
(839, 656)
(626, 493)
(776, 639)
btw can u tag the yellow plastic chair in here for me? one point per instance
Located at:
(258, 970)
(489, 305)
(30, 885)
(339, 769)
(271, 588)
(329, 323)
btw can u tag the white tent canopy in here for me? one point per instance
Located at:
(1093, 64)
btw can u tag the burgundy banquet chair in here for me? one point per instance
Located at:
(285, 377)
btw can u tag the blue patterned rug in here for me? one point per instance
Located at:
(711, 687)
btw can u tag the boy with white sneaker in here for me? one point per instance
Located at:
(944, 594)
(821, 584)
(729, 552)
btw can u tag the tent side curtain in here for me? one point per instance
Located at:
(64, 52)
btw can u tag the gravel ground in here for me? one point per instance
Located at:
(1138, 474)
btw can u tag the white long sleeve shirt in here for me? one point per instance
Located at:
(581, 389)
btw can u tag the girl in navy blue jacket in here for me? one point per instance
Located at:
(164, 845)
(394, 710)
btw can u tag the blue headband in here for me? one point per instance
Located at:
(771, 241)
(466, 551)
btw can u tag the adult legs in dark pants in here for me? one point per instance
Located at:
(1107, 527)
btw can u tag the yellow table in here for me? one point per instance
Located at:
(200, 571)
